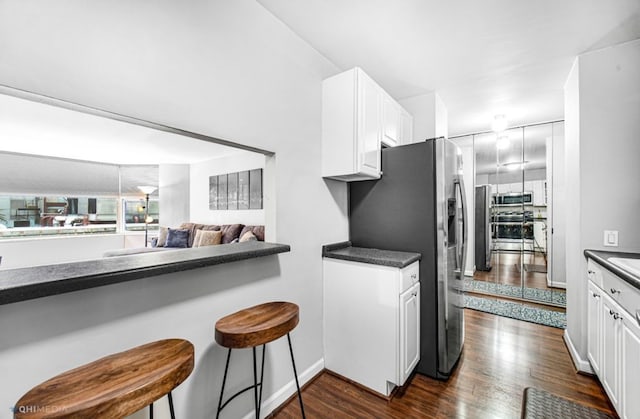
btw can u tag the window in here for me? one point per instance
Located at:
(134, 214)
(33, 215)
(80, 197)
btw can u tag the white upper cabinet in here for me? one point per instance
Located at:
(398, 123)
(357, 117)
(391, 115)
(406, 127)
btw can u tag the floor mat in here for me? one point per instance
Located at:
(517, 311)
(551, 296)
(538, 403)
(535, 268)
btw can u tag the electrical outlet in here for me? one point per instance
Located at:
(611, 238)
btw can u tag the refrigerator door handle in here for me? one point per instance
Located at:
(459, 182)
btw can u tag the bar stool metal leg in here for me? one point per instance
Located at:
(171, 411)
(264, 347)
(224, 381)
(295, 375)
(173, 414)
(255, 384)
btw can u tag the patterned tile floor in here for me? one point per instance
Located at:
(555, 297)
(516, 310)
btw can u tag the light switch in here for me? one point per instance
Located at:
(611, 238)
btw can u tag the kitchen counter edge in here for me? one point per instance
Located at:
(345, 251)
(602, 257)
(21, 284)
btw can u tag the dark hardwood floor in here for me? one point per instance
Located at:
(501, 358)
(506, 269)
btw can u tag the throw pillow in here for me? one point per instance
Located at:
(197, 238)
(162, 236)
(230, 232)
(207, 238)
(248, 237)
(177, 238)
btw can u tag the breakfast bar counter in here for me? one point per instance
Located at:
(22, 284)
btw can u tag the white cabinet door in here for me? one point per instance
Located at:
(594, 341)
(630, 368)
(369, 125)
(409, 331)
(406, 127)
(391, 121)
(611, 332)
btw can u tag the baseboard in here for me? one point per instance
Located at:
(286, 391)
(468, 273)
(556, 284)
(581, 365)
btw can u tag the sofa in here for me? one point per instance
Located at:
(187, 234)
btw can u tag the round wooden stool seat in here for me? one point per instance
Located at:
(257, 325)
(114, 386)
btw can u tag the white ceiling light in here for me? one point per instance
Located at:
(514, 165)
(499, 123)
(503, 143)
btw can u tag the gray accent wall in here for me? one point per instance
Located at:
(602, 148)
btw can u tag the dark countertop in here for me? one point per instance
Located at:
(345, 251)
(602, 257)
(40, 281)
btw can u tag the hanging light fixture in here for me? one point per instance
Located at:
(499, 123)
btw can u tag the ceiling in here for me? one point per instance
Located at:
(30, 127)
(482, 57)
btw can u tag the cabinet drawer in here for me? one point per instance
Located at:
(624, 294)
(410, 276)
(594, 272)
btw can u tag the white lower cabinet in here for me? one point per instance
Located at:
(611, 334)
(613, 338)
(594, 327)
(409, 331)
(371, 322)
(630, 360)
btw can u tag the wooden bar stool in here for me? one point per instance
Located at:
(114, 386)
(253, 327)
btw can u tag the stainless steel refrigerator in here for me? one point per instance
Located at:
(483, 228)
(418, 205)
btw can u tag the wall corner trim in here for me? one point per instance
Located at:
(581, 365)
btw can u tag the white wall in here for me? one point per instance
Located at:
(430, 117)
(602, 104)
(557, 213)
(19, 253)
(226, 69)
(200, 172)
(174, 194)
